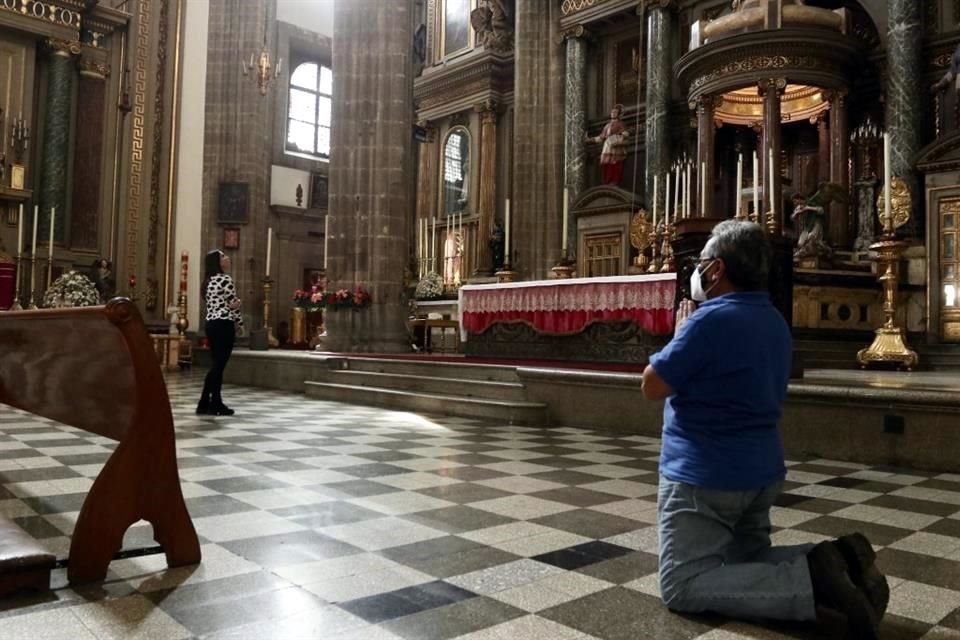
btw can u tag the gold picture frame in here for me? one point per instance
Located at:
(18, 176)
(444, 30)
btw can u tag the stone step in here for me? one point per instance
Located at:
(459, 370)
(506, 412)
(464, 387)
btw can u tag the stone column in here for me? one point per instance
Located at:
(371, 171)
(488, 186)
(706, 159)
(772, 90)
(838, 219)
(575, 169)
(427, 177)
(88, 157)
(56, 137)
(904, 106)
(825, 151)
(538, 143)
(659, 84)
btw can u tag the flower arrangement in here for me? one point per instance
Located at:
(72, 289)
(430, 287)
(315, 300)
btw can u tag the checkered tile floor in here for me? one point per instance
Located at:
(322, 520)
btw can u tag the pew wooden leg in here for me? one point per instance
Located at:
(173, 529)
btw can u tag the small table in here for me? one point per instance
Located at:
(429, 325)
(173, 351)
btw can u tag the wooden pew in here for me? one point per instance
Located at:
(94, 368)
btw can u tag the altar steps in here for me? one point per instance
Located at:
(454, 389)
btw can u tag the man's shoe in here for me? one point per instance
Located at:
(833, 588)
(203, 408)
(222, 410)
(860, 557)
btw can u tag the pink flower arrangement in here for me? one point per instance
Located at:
(315, 300)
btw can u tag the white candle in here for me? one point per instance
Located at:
(666, 205)
(676, 195)
(270, 246)
(686, 191)
(433, 244)
(772, 198)
(756, 184)
(703, 189)
(20, 234)
(566, 219)
(887, 177)
(326, 241)
(506, 231)
(740, 185)
(656, 190)
(36, 218)
(53, 217)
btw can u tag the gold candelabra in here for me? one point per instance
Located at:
(666, 249)
(655, 236)
(267, 288)
(889, 345)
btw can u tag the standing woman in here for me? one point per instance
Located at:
(223, 316)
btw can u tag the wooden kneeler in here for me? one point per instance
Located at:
(94, 368)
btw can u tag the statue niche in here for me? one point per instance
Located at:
(492, 21)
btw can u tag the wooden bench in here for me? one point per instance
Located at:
(95, 369)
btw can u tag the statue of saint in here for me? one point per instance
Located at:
(952, 74)
(103, 279)
(811, 213)
(614, 138)
(496, 246)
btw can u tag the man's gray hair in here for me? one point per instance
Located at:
(745, 251)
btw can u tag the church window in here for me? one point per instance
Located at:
(456, 171)
(308, 116)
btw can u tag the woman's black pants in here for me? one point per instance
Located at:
(221, 335)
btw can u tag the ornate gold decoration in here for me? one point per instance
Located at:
(901, 205)
(640, 231)
(758, 63)
(271, 339)
(65, 48)
(889, 346)
(94, 69)
(134, 191)
(43, 10)
(573, 6)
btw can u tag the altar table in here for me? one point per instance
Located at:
(568, 307)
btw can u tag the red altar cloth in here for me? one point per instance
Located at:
(566, 307)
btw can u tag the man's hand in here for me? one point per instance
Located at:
(684, 311)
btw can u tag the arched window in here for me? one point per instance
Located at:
(456, 171)
(308, 116)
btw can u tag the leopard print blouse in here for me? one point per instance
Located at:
(220, 292)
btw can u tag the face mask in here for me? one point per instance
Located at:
(697, 292)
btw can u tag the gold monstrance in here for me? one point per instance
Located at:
(889, 346)
(640, 238)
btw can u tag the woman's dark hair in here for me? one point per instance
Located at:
(211, 267)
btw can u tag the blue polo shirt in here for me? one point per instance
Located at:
(728, 366)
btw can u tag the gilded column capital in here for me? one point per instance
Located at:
(62, 48)
(576, 31)
(772, 84)
(488, 110)
(706, 103)
(93, 69)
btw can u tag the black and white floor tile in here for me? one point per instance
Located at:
(324, 520)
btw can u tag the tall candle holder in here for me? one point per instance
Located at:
(16, 295)
(666, 249)
(49, 271)
(33, 281)
(655, 237)
(267, 288)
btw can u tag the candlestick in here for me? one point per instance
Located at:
(887, 180)
(756, 184)
(686, 191)
(771, 188)
(506, 231)
(269, 247)
(271, 339)
(33, 256)
(566, 214)
(703, 189)
(16, 294)
(53, 216)
(739, 211)
(676, 196)
(433, 246)
(20, 231)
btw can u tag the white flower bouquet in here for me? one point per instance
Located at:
(430, 287)
(72, 289)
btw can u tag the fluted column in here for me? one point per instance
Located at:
(488, 186)
(659, 83)
(371, 171)
(88, 156)
(903, 104)
(56, 135)
(706, 158)
(838, 225)
(772, 91)
(575, 169)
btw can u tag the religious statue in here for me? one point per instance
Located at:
(952, 74)
(496, 246)
(811, 213)
(493, 25)
(614, 138)
(103, 279)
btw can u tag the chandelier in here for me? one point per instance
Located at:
(260, 65)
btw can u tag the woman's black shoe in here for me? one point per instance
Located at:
(222, 410)
(203, 408)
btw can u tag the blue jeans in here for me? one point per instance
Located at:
(715, 555)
